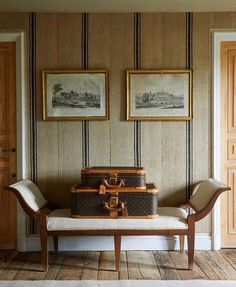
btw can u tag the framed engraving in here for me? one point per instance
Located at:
(159, 95)
(75, 95)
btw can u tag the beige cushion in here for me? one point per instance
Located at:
(204, 192)
(30, 193)
(169, 218)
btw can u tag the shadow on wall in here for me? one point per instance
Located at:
(57, 191)
(172, 197)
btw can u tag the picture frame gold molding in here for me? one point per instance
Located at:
(46, 117)
(129, 116)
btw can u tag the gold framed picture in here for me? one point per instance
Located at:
(159, 95)
(75, 95)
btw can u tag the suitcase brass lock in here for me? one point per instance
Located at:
(114, 200)
(113, 179)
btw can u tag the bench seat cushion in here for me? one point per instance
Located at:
(169, 218)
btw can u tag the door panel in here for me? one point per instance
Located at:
(7, 142)
(231, 107)
(231, 212)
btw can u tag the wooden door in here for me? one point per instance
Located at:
(228, 142)
(7, 144)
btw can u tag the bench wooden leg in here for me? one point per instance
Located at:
(181, 243)
(44, 248)
(191, 241)
(117, 239)
(55, 243)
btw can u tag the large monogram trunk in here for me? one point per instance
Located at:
(113, 203)
(114, 177)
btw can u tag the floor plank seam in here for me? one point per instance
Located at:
(99, 264)
(59, 267)
(225, 257)
(82, 271)
(157, 265)
(212, 262)
(127, 265)
(195, 262)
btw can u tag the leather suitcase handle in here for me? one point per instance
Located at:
(121, 208)
(113, 186)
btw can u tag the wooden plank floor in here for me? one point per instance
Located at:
(156, 265)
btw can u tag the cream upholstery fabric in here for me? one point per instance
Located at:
(204, 192)
(31, 194)
(169, 218)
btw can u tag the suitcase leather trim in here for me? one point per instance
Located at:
(150, 188)
(113, 170)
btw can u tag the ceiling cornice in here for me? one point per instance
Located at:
(117, 5)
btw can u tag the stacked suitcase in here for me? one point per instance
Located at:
(111, 192)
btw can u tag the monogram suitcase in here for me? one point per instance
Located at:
(114, 177)
(113, 203)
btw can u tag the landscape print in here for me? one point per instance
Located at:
(160, 100)
(74, 99)
(159, 95)
(75, 94)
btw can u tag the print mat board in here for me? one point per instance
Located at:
(159, 95)
(75, 95)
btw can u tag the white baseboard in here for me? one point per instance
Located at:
(203, 241)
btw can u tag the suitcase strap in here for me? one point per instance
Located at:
(115, 207)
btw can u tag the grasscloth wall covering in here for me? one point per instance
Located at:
(174, 153)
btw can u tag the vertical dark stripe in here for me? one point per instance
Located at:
(85, 143)
(32, 91)
(85, 41)
(189, 124)
(85, 124)
(137, 64)
(137, 39)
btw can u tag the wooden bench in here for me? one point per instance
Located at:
(171, 220)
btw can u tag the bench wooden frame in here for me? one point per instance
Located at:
(41, 217)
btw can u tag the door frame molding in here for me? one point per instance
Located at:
(218, 36)
(22, 123)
